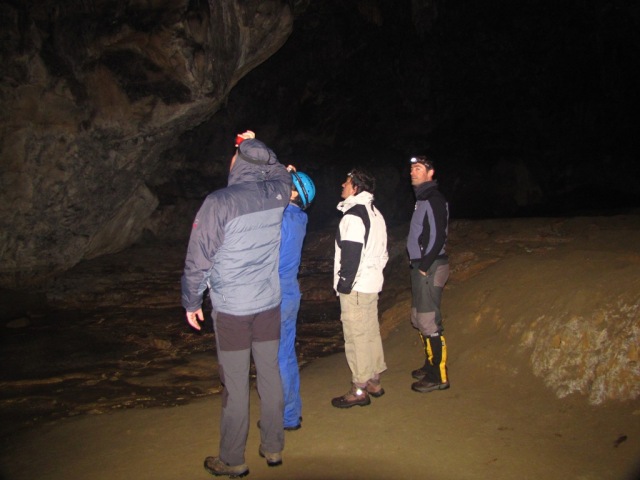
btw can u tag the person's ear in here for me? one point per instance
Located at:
(294, 194)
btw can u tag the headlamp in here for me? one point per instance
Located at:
(423, 160)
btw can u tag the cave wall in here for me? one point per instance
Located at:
(93, 93)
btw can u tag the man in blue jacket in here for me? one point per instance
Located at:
(294, 229)
(429, 273)
(233, 252)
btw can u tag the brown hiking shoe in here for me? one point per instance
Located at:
(424, 386)
(355, 396)
(217, 467)
(374, 388)
(273, 459)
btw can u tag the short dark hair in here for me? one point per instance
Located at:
(362, 180)
(427, 162)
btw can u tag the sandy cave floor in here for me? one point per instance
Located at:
(496, 421)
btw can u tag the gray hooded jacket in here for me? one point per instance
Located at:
(234, 244)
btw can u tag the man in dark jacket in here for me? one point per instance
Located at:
(233, 251)
(429, 273)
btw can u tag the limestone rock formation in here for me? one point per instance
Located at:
(88, 108)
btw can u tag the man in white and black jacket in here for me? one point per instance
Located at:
(429, 273)
(360, 257)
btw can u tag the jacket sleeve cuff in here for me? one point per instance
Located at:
(343, 287)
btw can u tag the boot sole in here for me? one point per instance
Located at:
(225, 474)
(352, 405)
(442, 386)
(230, 475)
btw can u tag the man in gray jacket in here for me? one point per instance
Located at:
(233, 252)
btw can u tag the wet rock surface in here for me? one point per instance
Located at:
(111, 334)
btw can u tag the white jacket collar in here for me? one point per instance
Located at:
(364, 198)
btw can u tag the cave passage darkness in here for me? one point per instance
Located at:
(529, 108)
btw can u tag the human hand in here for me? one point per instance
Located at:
(291, 168)
(194, 317)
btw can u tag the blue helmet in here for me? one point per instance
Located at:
(305, 188)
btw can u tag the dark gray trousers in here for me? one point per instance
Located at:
(426, 295)
(237, 338)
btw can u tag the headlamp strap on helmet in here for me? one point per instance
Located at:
(304, 194)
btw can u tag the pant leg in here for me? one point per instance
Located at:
(288, 360)
(436, 359)
(362, 341)
(265, 345)
(374, 340)
(233, 342)
(426, 316)
(426, 296)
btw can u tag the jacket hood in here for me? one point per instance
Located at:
(254, 163)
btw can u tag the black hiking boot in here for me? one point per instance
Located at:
(419, 373)
(424, 386)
